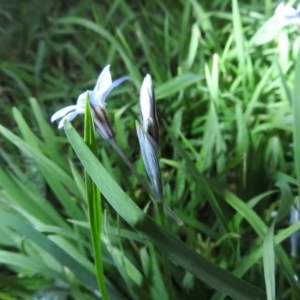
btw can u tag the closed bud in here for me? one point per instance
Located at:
(148, 109)
(149, 150)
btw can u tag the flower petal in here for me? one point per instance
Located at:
(61, 122)
(285, 10)
(148, 110)
(286, 14)
(93, 98)
(70, 117)
(81, 100)
(62, 112)
(101, 98)
(104, 81)
(146, 98)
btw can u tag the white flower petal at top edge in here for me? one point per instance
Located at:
(70, 116)
(286, 14)
(62, 112)
(146, 98)
(104, 81)
(285, 10)
(101, 99)
(81, 100)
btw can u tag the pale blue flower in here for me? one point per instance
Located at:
(287, 14)
(97, 99)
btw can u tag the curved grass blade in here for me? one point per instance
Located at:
(191, 261)
(296, 119)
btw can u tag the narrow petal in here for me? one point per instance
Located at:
(62, 112)
(69, 117)
(148, 109)
(115, 83)
(104, 81)
(286, 14)
(79, 111)
(146, 98)
(93, 98)
(102, 123)
(61, 122)
(81, 100)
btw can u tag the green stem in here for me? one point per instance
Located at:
(96, 229)
(94, 205)
(160, 209)
(167, 273)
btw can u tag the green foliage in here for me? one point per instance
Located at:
(94, 203)
(227, 91)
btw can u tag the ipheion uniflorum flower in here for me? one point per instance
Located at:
(97, 98)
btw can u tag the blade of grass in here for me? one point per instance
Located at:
(133, 215)
(25, 229)
(269, 262)
(296, 120)
(94, 203)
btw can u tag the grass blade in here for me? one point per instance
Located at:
(94, 203)
(296, 119)
(133, 215)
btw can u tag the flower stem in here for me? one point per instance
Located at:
(159, 205)
(167, 274)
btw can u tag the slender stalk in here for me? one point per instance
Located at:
(159, 205)
(94, 205)
(96, 229)
(162, 221)
(161, 213)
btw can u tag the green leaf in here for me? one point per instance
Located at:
(269, 262)
(177, 250)
(94, 202)
(177, 84)
(24, 228)
(296, 119)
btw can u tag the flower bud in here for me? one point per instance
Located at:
(148, 109)
(149, 150)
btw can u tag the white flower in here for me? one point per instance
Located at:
(287, 14)
(97, 98)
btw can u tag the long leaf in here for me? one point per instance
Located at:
(133, 215)
(94, 203)
(24, 228)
